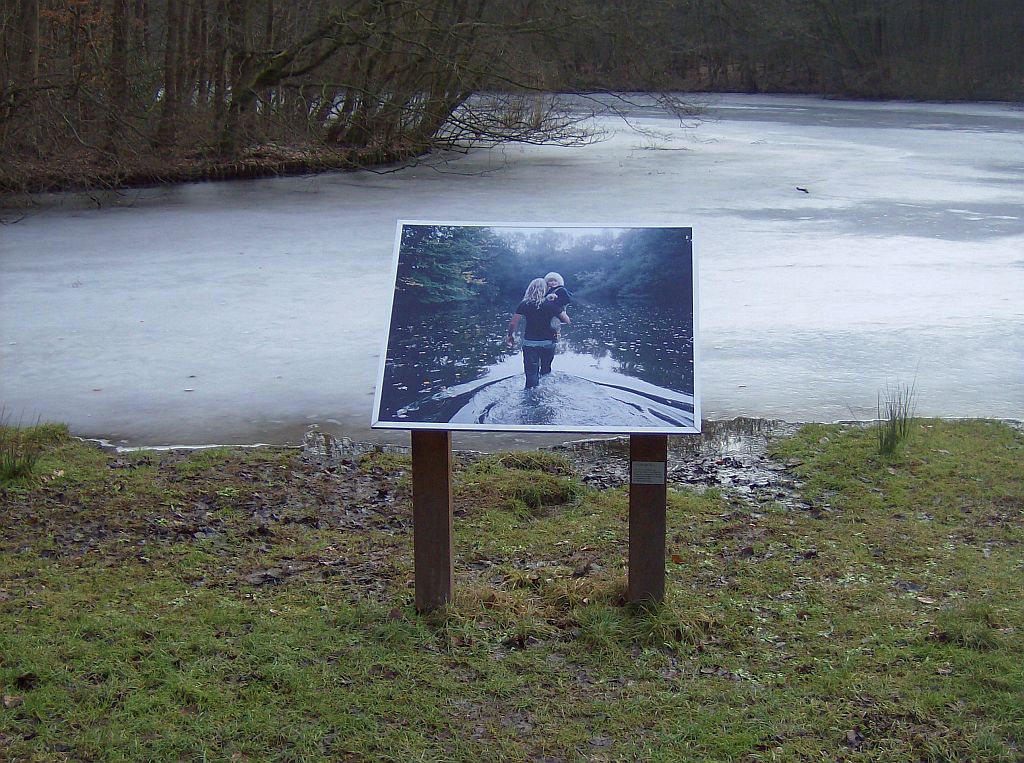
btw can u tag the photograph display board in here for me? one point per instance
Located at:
(541, 328)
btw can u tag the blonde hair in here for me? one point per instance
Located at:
(554, 277)
(535, 291)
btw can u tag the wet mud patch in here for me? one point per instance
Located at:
(729, 455)
(259, 517)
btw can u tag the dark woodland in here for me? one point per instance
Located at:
(113, 92)
(447, 265)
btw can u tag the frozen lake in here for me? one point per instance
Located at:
(243, 312)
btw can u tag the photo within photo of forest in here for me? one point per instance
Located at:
(541, 328)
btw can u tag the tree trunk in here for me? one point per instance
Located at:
(169, 105)
(203, 56)
(269, 43)
(218, 62)
(118, 83)
(27, 66)
(239, 65)
(141, 15)
(184, 85)
(194, 55)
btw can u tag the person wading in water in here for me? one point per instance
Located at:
(539, 337)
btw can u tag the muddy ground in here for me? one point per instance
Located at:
(727, 454)
(253, 512)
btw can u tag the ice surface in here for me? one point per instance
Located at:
(244, 311)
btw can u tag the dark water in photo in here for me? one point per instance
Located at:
(436, 356)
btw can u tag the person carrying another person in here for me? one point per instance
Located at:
(539, 337)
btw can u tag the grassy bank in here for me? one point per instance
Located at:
(249, 605)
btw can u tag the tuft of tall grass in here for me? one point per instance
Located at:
(896, 408)
(18, 456)
(21, 448)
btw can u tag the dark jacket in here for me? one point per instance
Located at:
(538, 319)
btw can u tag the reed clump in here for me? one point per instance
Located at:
(896, 407)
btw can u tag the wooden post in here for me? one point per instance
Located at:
(432, 517)
(648, 457)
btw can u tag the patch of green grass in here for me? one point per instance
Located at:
(527, 485)
(525, 460)
(245, 605)
(384, 462)
(972, 625)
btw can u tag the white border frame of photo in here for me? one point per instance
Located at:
(377, 423)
